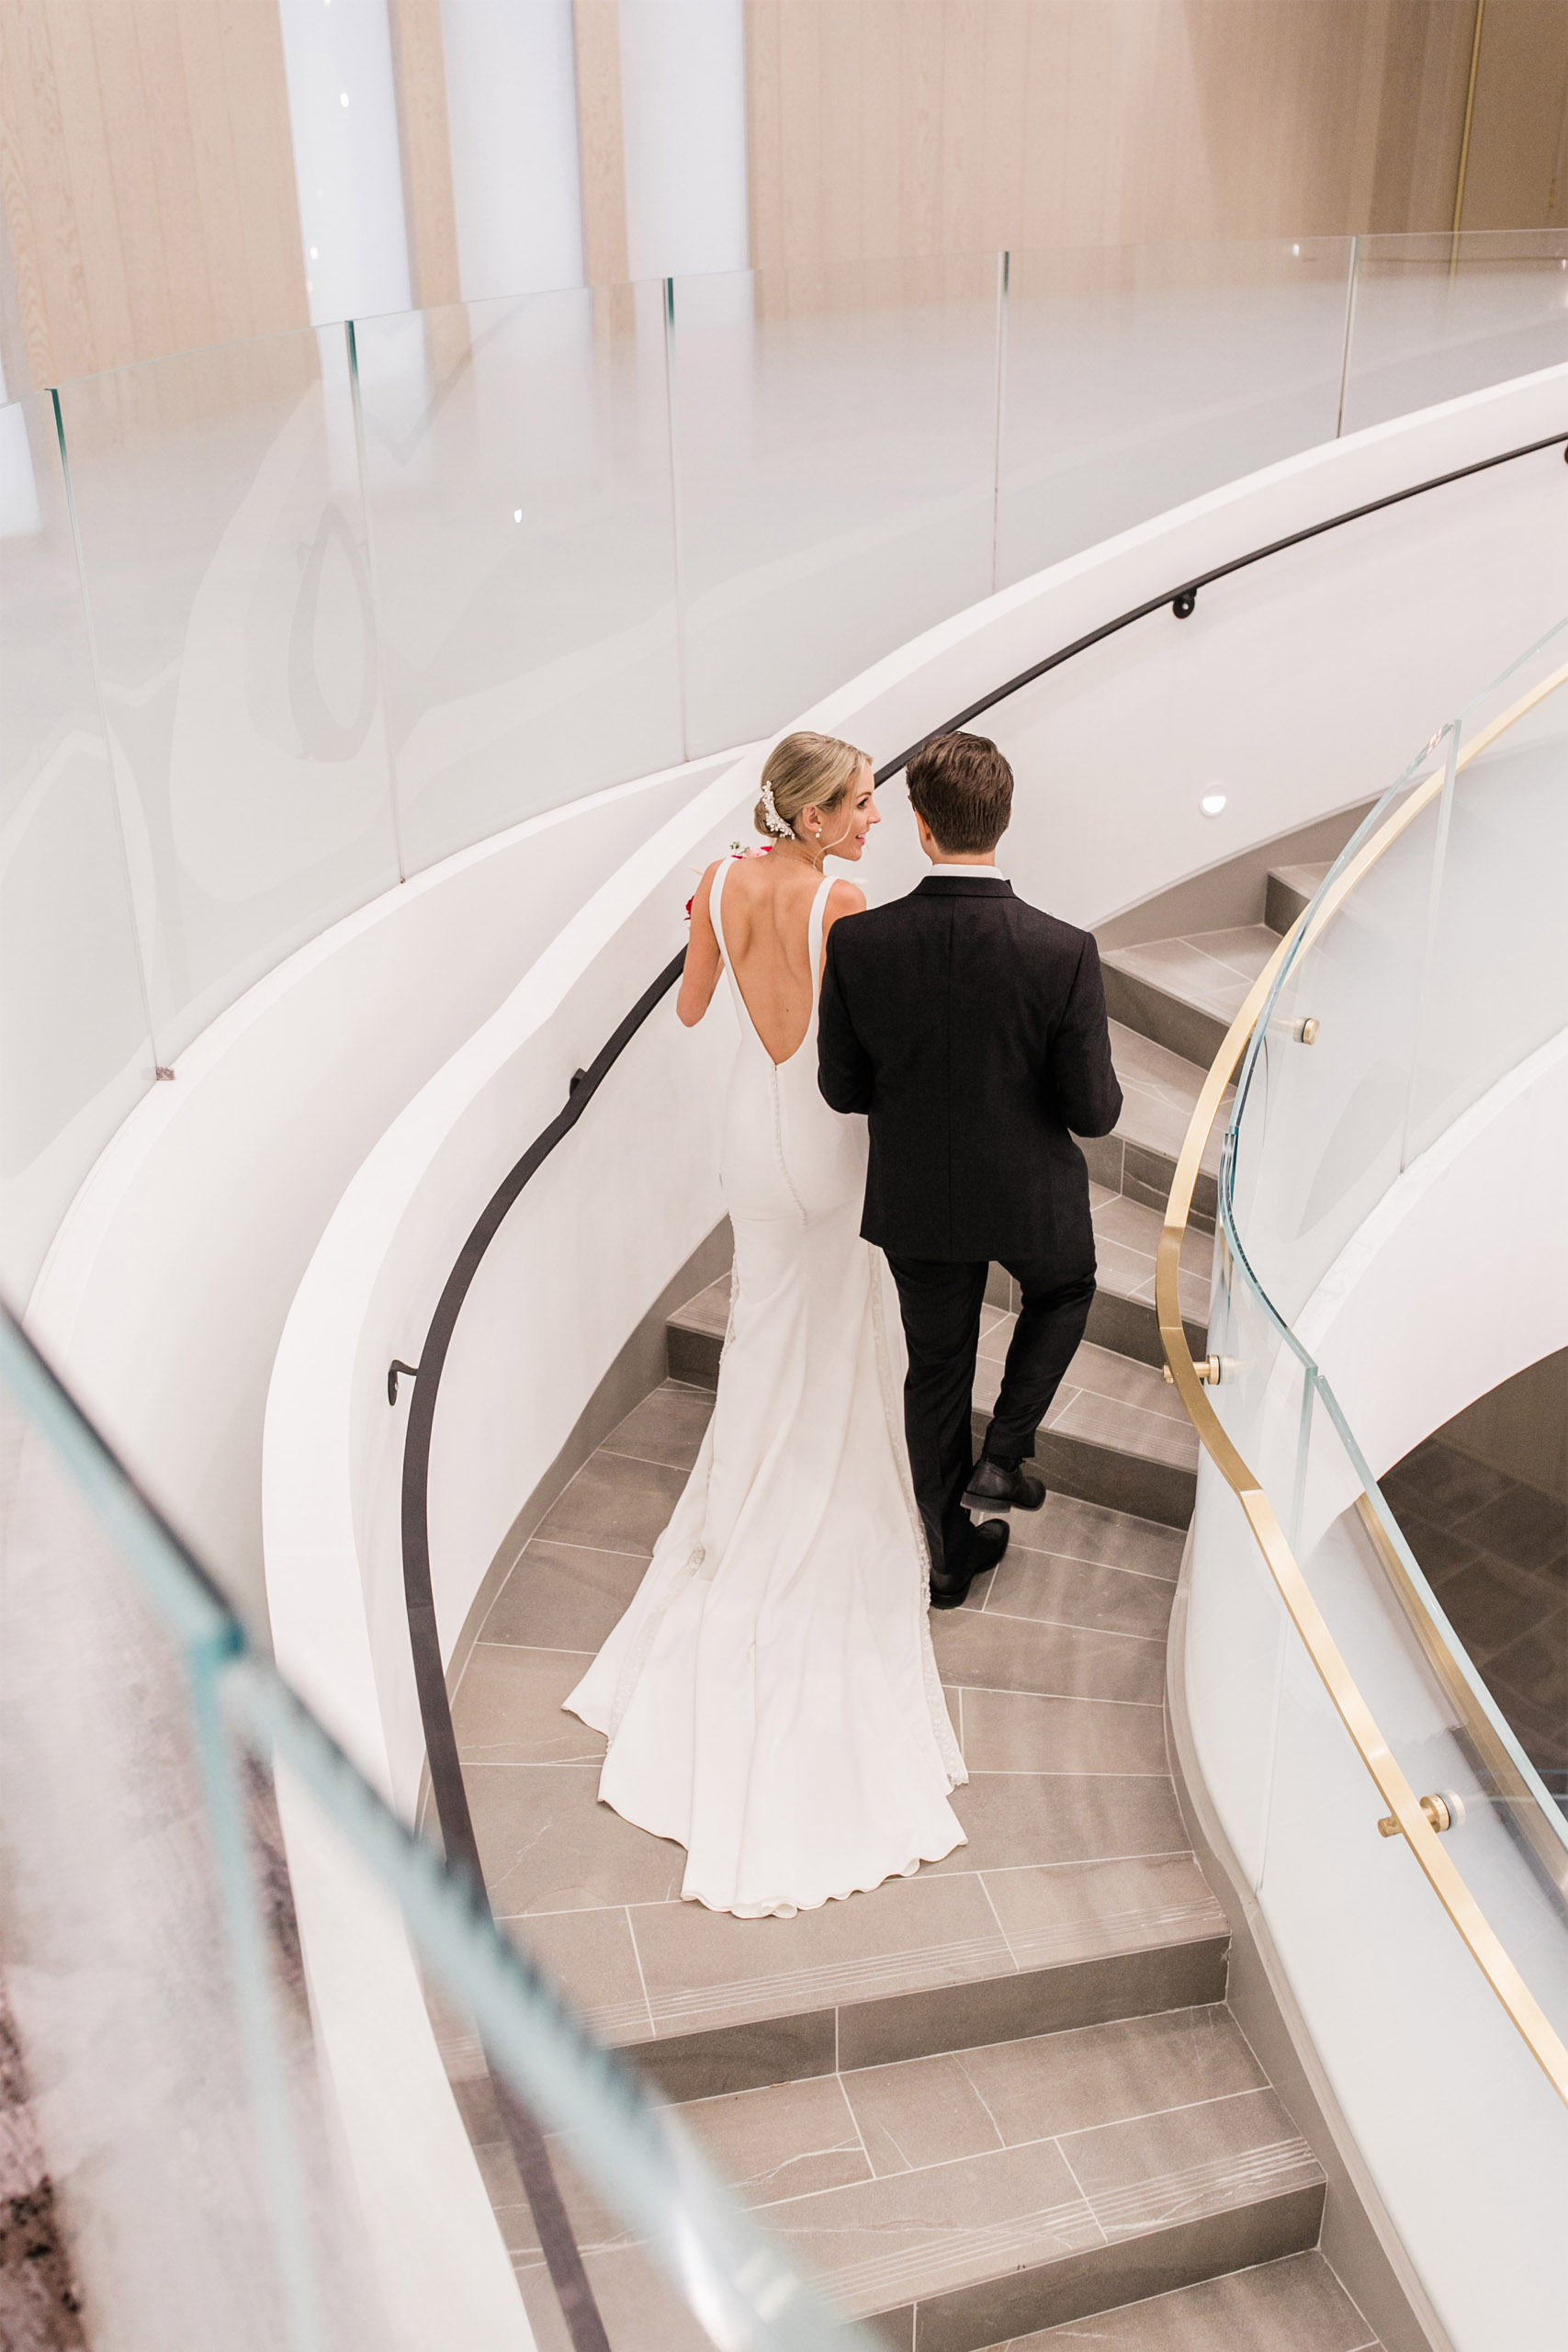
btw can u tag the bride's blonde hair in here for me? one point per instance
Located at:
(805, 771)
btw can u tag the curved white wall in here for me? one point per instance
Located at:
(1436, 1297)
(164, 1294)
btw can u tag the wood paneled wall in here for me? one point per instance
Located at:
(430, 212)
(1517, 171)
(882, 127)
(147, 172)
(601, 156)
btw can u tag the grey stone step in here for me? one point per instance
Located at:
(1123, 1317)
(1289, 890)
(1159, 1094)
(1293, 2305)
(1075, 1898)
(1184, 993)
(1116, 1435)
(960, 2199)
(693, 1335)
(1104, 2132)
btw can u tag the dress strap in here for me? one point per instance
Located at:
(814, 934)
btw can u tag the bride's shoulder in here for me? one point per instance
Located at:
(712, 872)
(845, 899)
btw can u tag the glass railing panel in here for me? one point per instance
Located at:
(75, 1053)
(290, 2062)
(217, 496)
(1439, 315)
(1496, 977)
(1414, 986)
(1257, 1370)
(1319, 1127)
(1507, 1840)
(1139, 375)
(1389, 1992)
(518, 459)
(836, 445)
(178, 2102)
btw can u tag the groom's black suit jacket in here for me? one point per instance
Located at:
(972, 1028)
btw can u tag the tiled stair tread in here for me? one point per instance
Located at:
(1305, 880)
(935, 2178)
(1010, 2155)
(1126, 1246)
(709, 1312)
(1159, 1094)
(1293, 2305)
(1055, 1675)
(1104, 1399)
(1064, 1869)
(1209, 969)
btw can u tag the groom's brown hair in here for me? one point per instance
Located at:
(962, 788)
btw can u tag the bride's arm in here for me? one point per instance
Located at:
(704, 962)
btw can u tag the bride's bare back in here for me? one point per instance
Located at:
(767, 912)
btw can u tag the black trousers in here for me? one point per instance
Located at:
(941, 1303)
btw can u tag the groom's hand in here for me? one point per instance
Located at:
(844, 1070)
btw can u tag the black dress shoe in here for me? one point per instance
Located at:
(985, 1547)
(1002, 1485)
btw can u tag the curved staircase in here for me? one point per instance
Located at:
(1003, 2102)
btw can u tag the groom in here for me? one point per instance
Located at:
(972, 1028)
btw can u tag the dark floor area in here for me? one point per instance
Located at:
(1496, 1553)
(38, 2307)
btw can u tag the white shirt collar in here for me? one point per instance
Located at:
(971, 872)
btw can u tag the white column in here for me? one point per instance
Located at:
(512, 113)
(337, 55)
(683, 126)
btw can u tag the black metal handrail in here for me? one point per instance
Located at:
(1183, 599)
(448, 1792)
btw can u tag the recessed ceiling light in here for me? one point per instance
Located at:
(343, 98)
(314, 255)
(1295, 249)
(517, 513)
(1213, 803)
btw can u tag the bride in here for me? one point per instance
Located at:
(770, 1697)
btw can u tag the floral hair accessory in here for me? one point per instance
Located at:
(771, 818)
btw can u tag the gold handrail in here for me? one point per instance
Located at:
(1486, 1946)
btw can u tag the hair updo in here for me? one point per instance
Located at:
(807, 771)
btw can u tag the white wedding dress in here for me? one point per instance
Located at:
(770, 1697)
